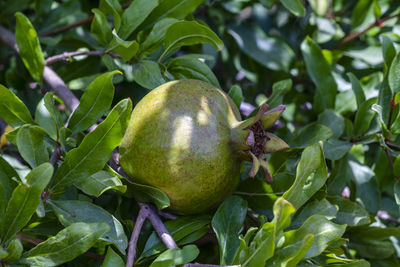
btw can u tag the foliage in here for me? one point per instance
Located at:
(335, 65)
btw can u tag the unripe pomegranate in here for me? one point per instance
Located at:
(186, 138)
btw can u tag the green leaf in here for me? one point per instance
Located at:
(357, 89)
(320, 73)
(112, 259)
(126, 49)
(154, 40)
(68, 244)
(73, 211)
(134, 15)
(292, 254)
(385, 99)
(24, 201)
(7, 183)
(29, 46)
(100, 27)
(184, 33)
(147, 73)
(178, 9)
(12, 109)
(261, 248)
(379, 111)
(95, 102)
(294, 6)
(95, 149)
(360, 12)
(396, 167)
(279, 90)
(180, 229)
(320, 7)
(271, 52)
(350, 212)
(323, 230)
(335, 149)
(364, 117)
(236, 94)
(112, 7)
(227, 223)
(320, 207)
(310, 135)
(14, 249)
(367, 188)
(47, 116)
(389, 51)
(189, 67)
(32, 145)
(176, 256)
(332, 120)
(394, 74)
(311, 175)
(100, 182)
(372, 249)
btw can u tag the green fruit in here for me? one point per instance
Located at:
(186, 138)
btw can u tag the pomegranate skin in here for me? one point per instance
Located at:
(180, 140)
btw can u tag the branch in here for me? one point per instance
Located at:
(67, 55)
(142, 216)
(55, 82)
(350, 37)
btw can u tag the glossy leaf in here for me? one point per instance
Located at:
(47, 116)
(100, 182)
(320, 207)
(320, 73)
(279, 90)
(7, 182)
(32, 145)
(189, 67)
(95, 149)
(178, 9)
(335, 149)
(292, 254)
(14, 250)
(68, 244)
(236, 94)
(310, 177)
(24, 201)
(357, 89)
(184, 33)
(94, 103)
(73, 211)
(176, 256)
(12, 109)
(112, 7)
(134, 15)
(366, 185)
(320, 7)
(349, 213)
(294, 6)
(126, 49)
(156, 36)
(364, 117)
(29, 46)
(112, 259)
(147, 73)
(270, 52)
(100, 27)
(394, 73)
(322, 229)
(388, 49)
(359, 12)
(227, 223)
(333, 120)
(310, 135)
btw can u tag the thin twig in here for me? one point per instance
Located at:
(142, 216)
(36, 241)
(393, 146)
(166, 215)
(68, 55)
(352, 36)
(389, 156)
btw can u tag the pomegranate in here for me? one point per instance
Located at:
(186, 138)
